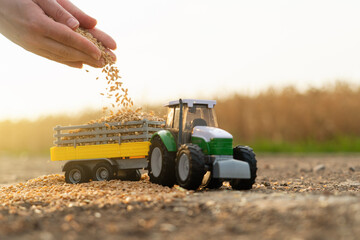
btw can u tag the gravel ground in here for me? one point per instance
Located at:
(312, 197)
(23, 168)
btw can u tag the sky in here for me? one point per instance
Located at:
(205, 49)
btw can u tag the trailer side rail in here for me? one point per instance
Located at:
(103, 133)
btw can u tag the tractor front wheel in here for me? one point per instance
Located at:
(190, 166)
(245, 154)
(210, 182)
(214, 183)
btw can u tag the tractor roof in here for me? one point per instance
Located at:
(191, 102)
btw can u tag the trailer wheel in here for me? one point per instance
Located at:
(190, 166)
(76, 174)
(161, 168)
(245, 154)
(103, 172)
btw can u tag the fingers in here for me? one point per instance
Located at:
(73, 64)
(112, 55)
(68, 37)
(63, 53)
(56, 58)
(85, 20)
(106, 40)
(58, 13)
(53, 57)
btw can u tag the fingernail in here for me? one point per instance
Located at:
(72, 23)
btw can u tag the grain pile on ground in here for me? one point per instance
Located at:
(50, 193)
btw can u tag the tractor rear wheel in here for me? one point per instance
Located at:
(190, 166)
(246, 154)
(161, 168)
(76, 174)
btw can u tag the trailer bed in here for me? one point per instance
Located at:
(115, 140)
(123, 150)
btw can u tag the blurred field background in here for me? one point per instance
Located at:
(286, 120)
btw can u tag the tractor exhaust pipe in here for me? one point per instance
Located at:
(180, 123)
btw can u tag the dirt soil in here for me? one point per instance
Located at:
(311, 197)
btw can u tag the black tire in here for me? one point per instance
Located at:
(190, 166)
(165, 173)
(210, 182)
(214, 183)
(246, 154)
(103, 171)
(76, 174)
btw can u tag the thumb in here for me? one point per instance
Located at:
(53, 9)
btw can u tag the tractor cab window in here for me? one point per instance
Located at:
(176, 118)
(199, 115)
(170, 118)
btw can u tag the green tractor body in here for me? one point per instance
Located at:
(192, 151)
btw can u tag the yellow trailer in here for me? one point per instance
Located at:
(104, 151)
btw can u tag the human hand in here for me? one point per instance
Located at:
(28, 24)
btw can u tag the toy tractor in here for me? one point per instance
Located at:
(192, 151)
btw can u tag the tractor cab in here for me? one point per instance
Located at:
(194, 113)
(184, 115)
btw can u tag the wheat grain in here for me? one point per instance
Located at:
(50, 193)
